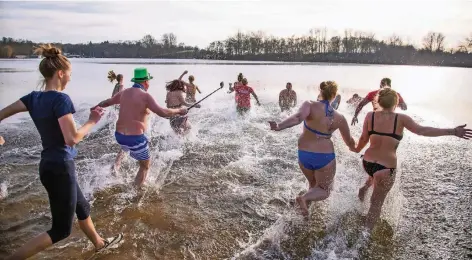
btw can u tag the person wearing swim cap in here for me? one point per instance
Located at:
(384, 128)
(287, 98)
(52, 113)
(135, 104)
(316, 155)
(243, 98)
(370, 98)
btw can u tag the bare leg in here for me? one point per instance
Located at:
(324, 180)
(142, 173)
(88, 228)
(32, 247)
(118, 159)
(364, 188)
(320, 185)
(383, 182)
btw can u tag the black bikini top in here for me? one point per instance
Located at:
(393, 135)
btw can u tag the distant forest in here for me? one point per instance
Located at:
(316, 46)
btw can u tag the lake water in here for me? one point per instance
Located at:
(226, 190)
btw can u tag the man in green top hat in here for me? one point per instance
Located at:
(135, 104)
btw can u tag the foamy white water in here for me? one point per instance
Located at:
(226, 190)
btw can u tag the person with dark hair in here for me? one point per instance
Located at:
(243, 98)
(135, 103)
(287, 98)
(370, 98)
(52, 113)
(175, 99)
(354, 100)
(384, 130)
(316, 155)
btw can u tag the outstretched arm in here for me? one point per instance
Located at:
(111, 101)
(293, 120)
(415, 128)
(364, 139)
(160, 111)
(185, 103)
(364, 102)
(12, 109)
(196, 87)
(255, 96)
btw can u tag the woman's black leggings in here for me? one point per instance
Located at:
(65, 197)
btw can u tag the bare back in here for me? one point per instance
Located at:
(318, 120)
(287, 97)
(132, 119)
(175, 99)
(383, 149)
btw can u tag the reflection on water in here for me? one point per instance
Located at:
(226, 190)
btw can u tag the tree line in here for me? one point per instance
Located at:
(315, 46)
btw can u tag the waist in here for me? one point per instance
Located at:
(311, 143)
(132, 127)
(387, 158)
(58, 153)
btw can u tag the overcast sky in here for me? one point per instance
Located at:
(201, 22)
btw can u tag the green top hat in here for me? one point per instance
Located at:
(141, 75)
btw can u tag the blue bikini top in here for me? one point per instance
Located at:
(329, 112)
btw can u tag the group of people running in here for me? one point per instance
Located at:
(52, 113)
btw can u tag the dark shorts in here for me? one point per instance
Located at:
(243, 110)
(65, 197)
(178, 123)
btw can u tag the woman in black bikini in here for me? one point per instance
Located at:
(384, 130)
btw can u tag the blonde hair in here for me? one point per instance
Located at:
(387, 98)
(244, 81)
(53, 61)
(328, 89)
(112, 76)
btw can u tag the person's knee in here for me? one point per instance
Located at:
(144, 165)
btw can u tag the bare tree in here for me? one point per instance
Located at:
(429, 40)
(395, 40)
(440, 42)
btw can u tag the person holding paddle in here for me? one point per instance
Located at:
(135, 103)
(52, 113)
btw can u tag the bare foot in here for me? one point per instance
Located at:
(362, 192)
(302, 204)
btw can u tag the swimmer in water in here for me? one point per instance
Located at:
(135, 104)
(52, 113)
(243, 98)
(191, 90)
(384, 130)
(316, 155)
(287, 98)
(355, 100)
(370, 98)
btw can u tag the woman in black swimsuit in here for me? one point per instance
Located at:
(384, 130)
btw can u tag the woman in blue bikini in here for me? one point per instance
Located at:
(315, 148)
